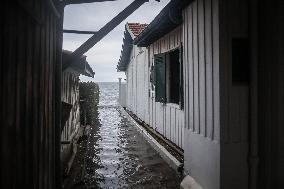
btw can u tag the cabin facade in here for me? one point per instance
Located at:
(70, 99)
(232, 72)
(31, 73)
(164, 113)
(70, 95)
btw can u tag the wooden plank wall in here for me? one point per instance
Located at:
(137, 82)
(200, 33)
(234, 101)
(131, 84)
(271, 94)
(70, 94)
(201, 68)
(167, 119)
(234, 25)
(28, 129)
(215, 108)
(141, 80)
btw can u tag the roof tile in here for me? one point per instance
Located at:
(136, 28)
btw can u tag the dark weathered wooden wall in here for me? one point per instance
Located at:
(29, 121)
(271, 94)
(234, 96)
(70, 95)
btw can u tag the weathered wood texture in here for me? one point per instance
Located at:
(70, 95)
(234, 98)
(271, 94)
(28, 122)
(167, 119)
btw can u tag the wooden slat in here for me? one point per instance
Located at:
(209, 65)
(216, 88)
(195, 67)
(184, 54)
(29, 97)
(202, 70)
(190, 51)
(70, 2)
(172, 123)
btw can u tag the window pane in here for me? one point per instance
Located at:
(160, 78)
(174, 77)
(240, 58)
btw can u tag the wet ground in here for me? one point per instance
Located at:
(115, 155)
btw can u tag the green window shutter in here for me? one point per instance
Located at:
(160, 78)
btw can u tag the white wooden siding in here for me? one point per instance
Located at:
(201, 79)
(216, 110)
(167, 119)
(200, 33)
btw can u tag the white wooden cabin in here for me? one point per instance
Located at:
(166, 117)
(70, 97)
(233, 88)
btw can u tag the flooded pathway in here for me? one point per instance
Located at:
(117, 156)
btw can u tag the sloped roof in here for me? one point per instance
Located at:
(80, 66)
(132, 30)
(167, 20)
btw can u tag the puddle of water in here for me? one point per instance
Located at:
(117, 156)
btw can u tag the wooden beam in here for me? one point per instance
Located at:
(70, 2)
(66, 142)
(79, 32)
(103, 32)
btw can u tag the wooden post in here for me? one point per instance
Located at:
(253, 152)
(58, 74)
(119, 90)
(103, 32)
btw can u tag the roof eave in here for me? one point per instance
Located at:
(126, 51)
(167, 20)
(81, 66)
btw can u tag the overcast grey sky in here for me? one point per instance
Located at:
(103, 57)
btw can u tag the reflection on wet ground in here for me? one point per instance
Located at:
(117, 156)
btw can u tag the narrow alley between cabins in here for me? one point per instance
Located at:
(199, 103)
(115, 155)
